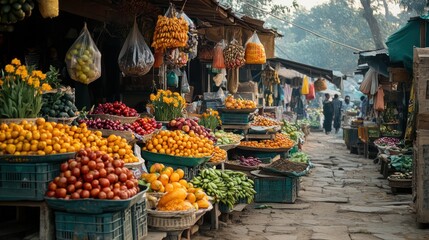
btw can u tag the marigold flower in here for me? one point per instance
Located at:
(46, 87)
(16, 62)
(9, 68)
(1, 82)
(30, 81)
(152, 97)
(36, 83)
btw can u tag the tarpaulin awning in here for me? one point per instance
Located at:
(402, 42)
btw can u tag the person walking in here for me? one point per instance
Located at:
(328, 112)
(337, 104)
(363, 106)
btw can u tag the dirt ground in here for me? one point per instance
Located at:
(344, 197)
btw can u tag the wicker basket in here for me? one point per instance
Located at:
(171, 221)
(17, 120)
(400, 183)
(129, 136)
(114, 118)
(66, 121)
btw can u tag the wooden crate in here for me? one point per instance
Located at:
(421, 76)
(422, 176)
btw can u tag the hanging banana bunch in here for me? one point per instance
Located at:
(270, 76)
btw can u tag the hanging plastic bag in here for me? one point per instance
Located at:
(159, 58)
(49, 8)
(233, 80)
(305, 85)
(220, 94)
(83, 59)
(172, 79)
(185, 85)
(234, 55)
(218, 59)
(379, 100)
(320, 85)
(135, 58)
(255, 51)
(174, 58)
(220, 77)
(192, 44)
(365, 86)
(311, 92)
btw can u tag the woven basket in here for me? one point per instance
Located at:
(123, 134)
(114, 118)
(17, 120)
(66, 121)
(171, 221)
(400, 183)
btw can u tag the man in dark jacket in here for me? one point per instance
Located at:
(328, 112)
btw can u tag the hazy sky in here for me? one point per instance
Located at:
(306, 3)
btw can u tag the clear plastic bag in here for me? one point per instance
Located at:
(185, 84)
(135, 58)
(220, 77)
(255, 51)
(83, 59)
(218, 59)
(174, 58)
(172, 79)
(192, 44)
(234, 55)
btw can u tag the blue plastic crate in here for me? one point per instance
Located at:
(190, 172)
(26, 181)
(275, 189)
(112, 226)
(140, 220)
(235, 118)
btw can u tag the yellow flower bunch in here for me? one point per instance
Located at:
(210, 119)
(167, 105)
(20, 90)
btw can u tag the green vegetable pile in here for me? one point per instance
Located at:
(228, 187)
(402, 163)
(299, 157)
(58, 105)
(293, 130)
(224, 138)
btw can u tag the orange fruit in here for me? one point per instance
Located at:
(184, 183)
(177, 185)
(156, 185)
(164, 179)
(166, 171)
(174, 177)
(152, 177)
(180, 172)
(200, 194)
(156, 167)
(191, 198)
(169, 187)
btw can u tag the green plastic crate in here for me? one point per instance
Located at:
(276, 189)
(235, 118)
(140, 220)
(170, 159)
(190, 172)
(112, 226)
(26, 181)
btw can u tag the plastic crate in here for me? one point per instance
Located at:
(140, 220)
(26, 181)
(235, 118)
(112, 226)
(190, 172)
(276, 189)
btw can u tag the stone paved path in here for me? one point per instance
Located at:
(342, 198)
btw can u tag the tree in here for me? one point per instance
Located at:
(373, 24)
(415, 5)
(265, 5)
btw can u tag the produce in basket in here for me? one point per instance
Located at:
(44, 138)
(106, 124)
(163, 179)
(190, 126)
(403, 163)
(178, 143)
(219, 155)
(225, 138)
(299, 157)
(93, 174)
(280, 141)
(226, 186)
(58, 105)
(232, 103)
(14, 11)
(143, 126)
(115, 108)
(264, 121)
(284, 165)
(400, 175)
(387, 141)
(249, 161)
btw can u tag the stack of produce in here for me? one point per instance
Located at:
(386, 142)
(106, 124)
(264, 121)
(44, 138)
(255, 53)
(270, 76)
(284, 165)
(280, 141)
(163, 179)
(292, 130)
(226, 186)
(143, 126)
(178, 143)
(190, 126)
(299, 157)
(93, 174)
(400, 175)
(402, 163)
(389, 131)
(225, 138)
(249, 161)
(58, 105)
(232, 103)
(219, 155)
(234, 55)
(170, 33)
(116, 108)
(14, 11)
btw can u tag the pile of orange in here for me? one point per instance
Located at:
(44, 138)
(219, 155)
(280, 141)
(167, 180)
(178, 143)
(232, 103)
(264, 121)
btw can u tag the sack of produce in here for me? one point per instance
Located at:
(218, 58)
(170, 31)
(255, 51)
(191, 47)
(135, 58)
(49, 8)
(174, 58)
(159, 58)
(234, 55)
(320, 85)
(305, 86)
(233, 75)
(83, 59)
(185, 85)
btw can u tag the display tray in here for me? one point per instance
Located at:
(265, 129)
(175, 160)
(114, 117)
(128, 135)
(134, 164)
(227, 147)
(61, 120)
(268, 169)
(94, 206)
(247, 110)
(263, 149)
(37, 158)
(236, 166)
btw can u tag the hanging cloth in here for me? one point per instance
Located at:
(305, 85)
(288, 93)
(379, 100)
